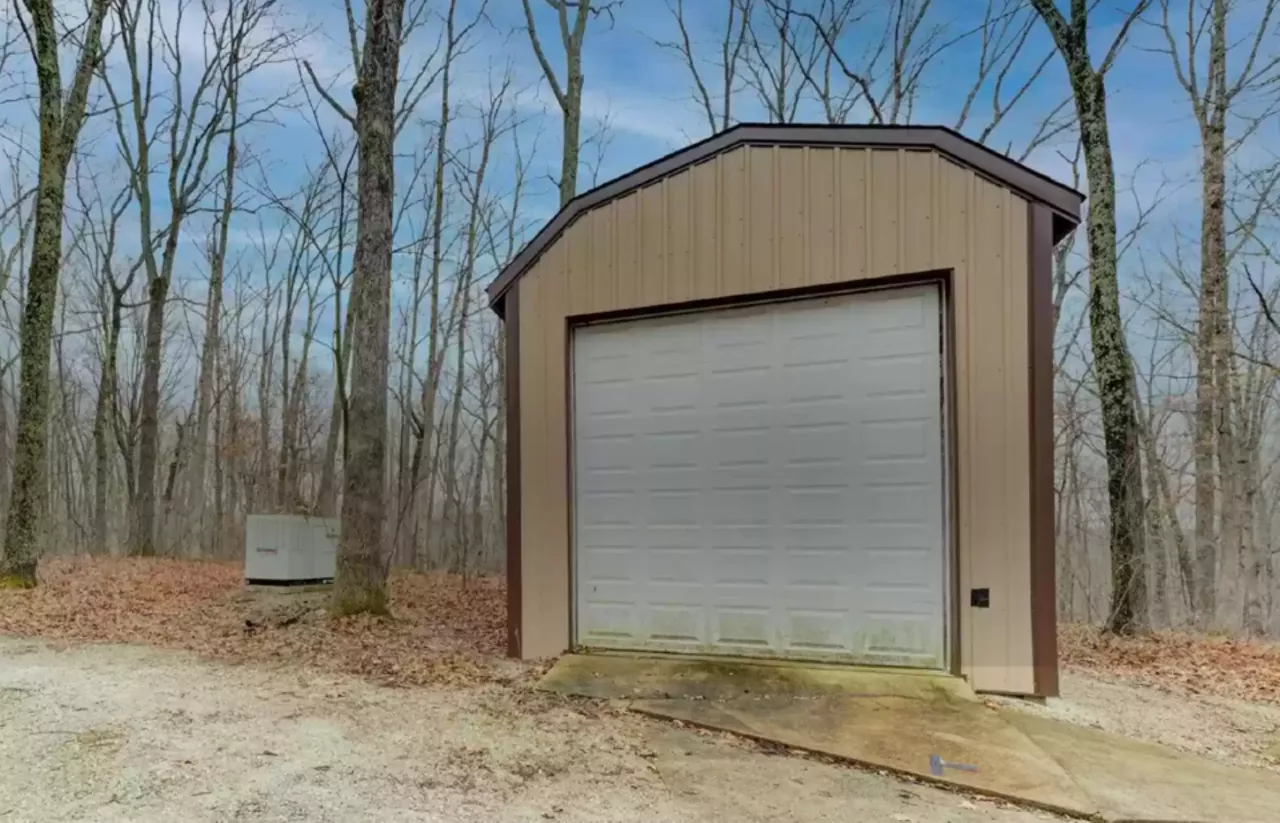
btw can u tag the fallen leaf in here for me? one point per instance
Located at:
(443, 630)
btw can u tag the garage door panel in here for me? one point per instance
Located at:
(740, 566)
(768, 478)
(608, 507)
(666, 395)
(666, 509)
(677, 623)
(607, 620)
(609, 564)
(667, 451)
(819, 630)
(887, 311)
(899, 639)
(900, 503)
(745, 505)
(613, 452)
(747, 628)
(672, 536)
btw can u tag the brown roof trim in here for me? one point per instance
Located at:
(1044, 586)
(1063, 201)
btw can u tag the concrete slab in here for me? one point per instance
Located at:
(633, 677)
(932, 727)
(1135, 781)
(978, 749)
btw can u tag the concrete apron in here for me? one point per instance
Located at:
(931, 727)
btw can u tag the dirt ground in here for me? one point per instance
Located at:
(196, 699)
(109, 733)
(1221, 728)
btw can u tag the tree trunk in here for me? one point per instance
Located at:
(262, 476)
(1253, 618)
(1158, 531)
(195, 491)
(6, 459)
(103, 417)
(1212, 343)
(219, 484)
(1113, 366)
(327, 495)
(143, 539)
(60, 123)
(571, 132)
(361, 583)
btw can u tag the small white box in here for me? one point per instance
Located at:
(283, 548)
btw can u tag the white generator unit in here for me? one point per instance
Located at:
(284, 550)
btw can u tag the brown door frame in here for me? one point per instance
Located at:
(942, 278)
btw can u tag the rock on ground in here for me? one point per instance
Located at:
(116, 733)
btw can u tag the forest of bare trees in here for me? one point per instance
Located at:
(243, 246)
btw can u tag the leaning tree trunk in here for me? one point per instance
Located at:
(361, 583)
(60, 122)
(1113, 366)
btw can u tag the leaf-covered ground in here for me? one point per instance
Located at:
(1194, 664)
(441, 631)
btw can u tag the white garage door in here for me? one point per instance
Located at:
(764, 481)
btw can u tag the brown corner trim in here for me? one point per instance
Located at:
(1063, 202)
(1044, 587)
(511, 388)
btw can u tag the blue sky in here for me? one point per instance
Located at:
(638, 98)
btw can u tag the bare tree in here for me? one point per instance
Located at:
(99, 251)
(361, 584)
(717, 106)
(1212, 98)
(253, 39)
(1113, 366)
(60, 121)
(568, 93)
(191, 125)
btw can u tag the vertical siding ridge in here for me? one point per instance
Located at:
(837, 217)
(902, 210)
(937, 207)
(868, 260)
(664, 230)
(806, 215)
(775, 158)
(748, 205)
(691, 235)
(615, 270)
(1008, 519)
(717, 216)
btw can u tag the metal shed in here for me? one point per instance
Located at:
(787, 393)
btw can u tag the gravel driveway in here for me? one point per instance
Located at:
(114, 733)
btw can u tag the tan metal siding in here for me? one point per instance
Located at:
(756, 219)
